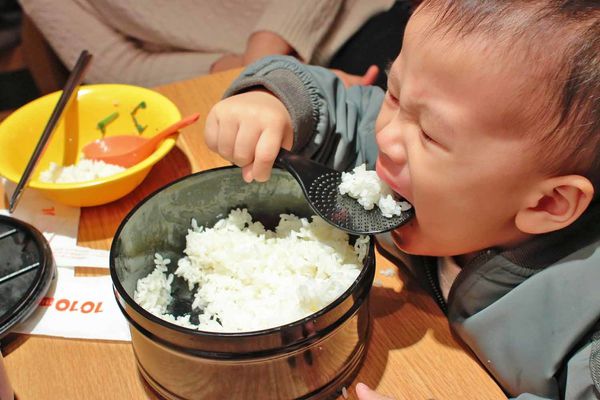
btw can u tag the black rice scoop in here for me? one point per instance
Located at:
(320, 186)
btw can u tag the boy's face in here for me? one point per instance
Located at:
(452, 140)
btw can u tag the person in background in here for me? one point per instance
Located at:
(154, 42)
(490, 127)
(358, 54)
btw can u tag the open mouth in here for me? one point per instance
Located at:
(384, 174)
(370, 190)
(405, 205)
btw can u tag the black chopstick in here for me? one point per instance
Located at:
(73, 82)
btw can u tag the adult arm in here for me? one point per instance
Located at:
(301, 24)
(71, 26)
(294, 27)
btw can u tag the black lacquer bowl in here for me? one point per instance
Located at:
(313, 358)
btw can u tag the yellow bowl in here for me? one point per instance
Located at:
(20, 132)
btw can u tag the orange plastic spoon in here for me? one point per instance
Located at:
(128, 150)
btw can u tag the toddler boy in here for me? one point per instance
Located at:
(491, 128)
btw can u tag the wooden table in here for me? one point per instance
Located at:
(412, 354)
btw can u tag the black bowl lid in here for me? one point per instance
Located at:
(22, 248)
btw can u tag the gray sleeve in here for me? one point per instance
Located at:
(580, 379)
(582, 374)
(332, 124)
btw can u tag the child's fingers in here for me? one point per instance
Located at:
(228, 129)
(267, 149)
(247, 173)
(365, 393)
(211, 130)
(370, 76)
(245, 143)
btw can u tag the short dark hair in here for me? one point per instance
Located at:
(574, 140)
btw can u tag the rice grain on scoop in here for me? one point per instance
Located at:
(247, 278)
(369, 190)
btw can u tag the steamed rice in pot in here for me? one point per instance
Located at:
(247, 278)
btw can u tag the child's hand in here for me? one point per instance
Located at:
(249, 129)
(365, 393)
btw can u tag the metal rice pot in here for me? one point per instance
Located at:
(313, 358)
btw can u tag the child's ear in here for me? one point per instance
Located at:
(554, 204)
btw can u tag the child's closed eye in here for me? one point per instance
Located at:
(428, 140)
(426, 137)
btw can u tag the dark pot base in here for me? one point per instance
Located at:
(318, 372)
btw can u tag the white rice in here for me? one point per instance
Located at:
(369, 190)
(388, 272)
(83, 170)
(247, 278)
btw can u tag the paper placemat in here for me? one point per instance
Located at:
(78, 307)
(75, 307)
(59, 225)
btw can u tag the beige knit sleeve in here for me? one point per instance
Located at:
(301, 23)
(71, 26)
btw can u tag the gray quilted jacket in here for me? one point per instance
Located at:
(531, 314)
